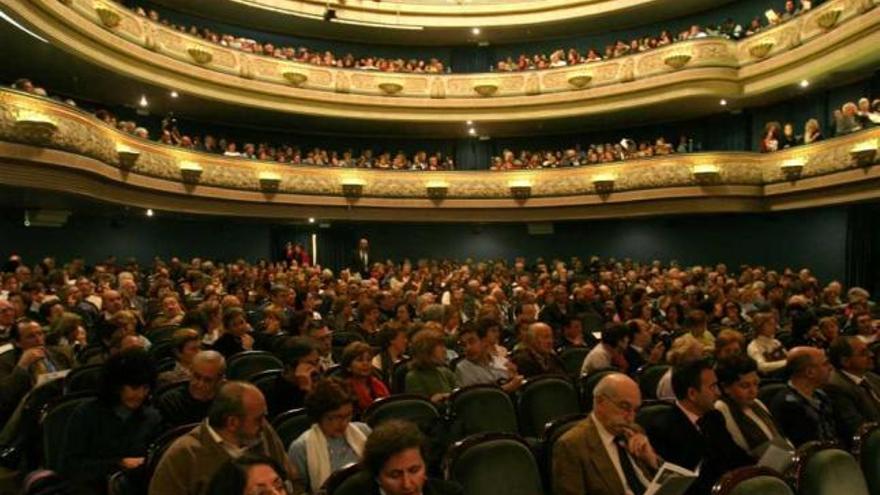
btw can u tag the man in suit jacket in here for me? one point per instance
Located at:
(854, 394)
(803, 410)
(538, 356)
(692, 432)
(361, 259)
(606, 454)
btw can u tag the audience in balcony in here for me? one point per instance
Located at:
(302, 54)
(727, 29)
(626, 149)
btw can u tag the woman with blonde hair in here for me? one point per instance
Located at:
(428, 374)
(812, 131)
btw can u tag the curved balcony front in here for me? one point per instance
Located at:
(46, 144)
(838, 36)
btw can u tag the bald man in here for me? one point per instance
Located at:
(607, 453)
(537, 356)
(804, 412)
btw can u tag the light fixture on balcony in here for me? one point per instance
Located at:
(391, 88)
(269, 181)
(677, 60)
(201, 55)
(486, 89)
(864, 154)
(109, 16)
(792, 169)
(521, 190)
(191, 172)
(604, 183)
(127, 156)
(294, 77)
(437, 190)
(706, 173)
(580, 80)
(828, 19)
(352, 188)
(35, 126)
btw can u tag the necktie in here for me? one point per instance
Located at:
(629, 471)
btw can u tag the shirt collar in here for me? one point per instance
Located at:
(604, 435)
(233, 450)
(693, 418)
(857, 379)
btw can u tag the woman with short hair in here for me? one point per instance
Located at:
(333, 441)
(186, 344)
(249, 475)
(428, 375)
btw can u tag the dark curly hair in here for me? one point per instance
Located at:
(132, 367)
(328, 395)
(390, 438)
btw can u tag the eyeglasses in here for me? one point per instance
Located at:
(624, 406)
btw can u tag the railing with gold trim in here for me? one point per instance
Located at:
(837, 34)
(49, 125)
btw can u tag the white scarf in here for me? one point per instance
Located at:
(318, 454)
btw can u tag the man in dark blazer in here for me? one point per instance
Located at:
(537, 357)
(692, 432)
(803, 410)
(607, 453)
(361, 259)
(854, 393)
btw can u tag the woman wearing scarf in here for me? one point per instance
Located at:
(333, 441)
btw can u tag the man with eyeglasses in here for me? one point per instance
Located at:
(190, 404)
(854, 393)
(692, 433)
(608, 453)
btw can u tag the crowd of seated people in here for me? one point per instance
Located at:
(428, 329)
(729, 29)
(302, 54)
(627, 149)
(849, 118)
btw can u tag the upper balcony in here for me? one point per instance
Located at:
(49, 145)
(684, 79)
(440, 22)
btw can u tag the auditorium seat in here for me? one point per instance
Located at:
(162, 350)
(553, 432)
(869, 455)
(353, 479)
(543, 399)
(494, 463)
(769, 391)
(36, 405)
(54, 426)
(159, 334)
(83, 379)
(481, 408)
(168, 388)
(586, 384)
(398, 376)
(751, 480)
(649, 412)
(649, 377)
(410, 407)
(245, 364)
(289, 425)
(158, 446)
(823, 469)
(265, 381)
(572, 358)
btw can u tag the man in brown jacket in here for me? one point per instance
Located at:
(607, 453)
(236, 425)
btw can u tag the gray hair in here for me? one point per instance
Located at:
(229, 402)
(212, 357)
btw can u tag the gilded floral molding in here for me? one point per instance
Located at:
(47, 124)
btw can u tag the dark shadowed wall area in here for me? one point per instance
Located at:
(834, 242)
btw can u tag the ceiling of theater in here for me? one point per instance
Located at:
(269, 19)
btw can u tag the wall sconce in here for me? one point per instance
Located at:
(604, 184)
(792, 169)
(677, 60)
(201, 55)
(352, 188)
(486, 89)
(109, 17)
(295, 78)
(35, 126)
(580, 80)
(269, 181)
(706, 173)
(521, 190)
(127, 156)
(864, 154)
(437, 191)
(391, 88)
(191, 172)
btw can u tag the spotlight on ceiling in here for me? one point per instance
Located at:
(311, 219)
(723, 102)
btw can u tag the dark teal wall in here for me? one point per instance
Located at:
(814, 238)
